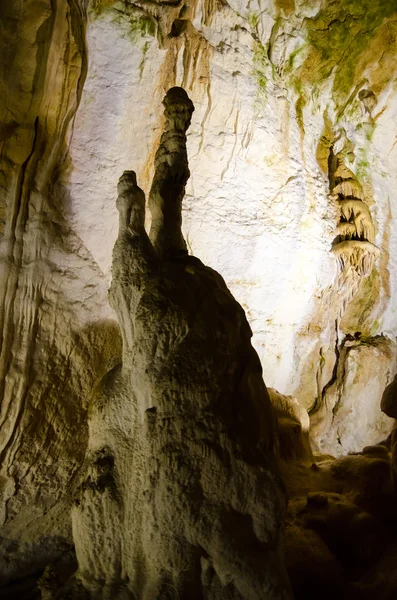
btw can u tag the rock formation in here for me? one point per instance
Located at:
(340, 521)
(293, 427)
(347, 415)
(340, 524)
(56, 337)
(181, 496)
(350, 416)
(271, 86)
(389, 400)
(277, 88)
(355, 234)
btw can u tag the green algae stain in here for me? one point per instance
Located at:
(363, 166)
(260, 59)
(139, 24)
(99, 6)
(341, 42)
(142, 63)
(299, 106)
(290, 64)
(142, 26)
(260, 62)
(253, 21)
(376, 328)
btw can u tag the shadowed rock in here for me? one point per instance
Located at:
(188, 503)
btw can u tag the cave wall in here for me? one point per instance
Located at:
(56, 338)
(275, 86)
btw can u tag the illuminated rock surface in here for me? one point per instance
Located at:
(181, 479)
(276, 90)
(279, 89)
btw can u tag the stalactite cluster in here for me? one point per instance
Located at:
(355, 234)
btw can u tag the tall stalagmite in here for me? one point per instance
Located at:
(182, 497)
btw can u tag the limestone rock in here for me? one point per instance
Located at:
(56, 337)
(293, 427)
(340, 525)
(351, 416)
(368, 99)
(272, 95)
(182, 496)
(275, 87)
(389, 400)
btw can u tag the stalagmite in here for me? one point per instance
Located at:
(181, 496)
(141, 454)
(171, 175)
(293, 427)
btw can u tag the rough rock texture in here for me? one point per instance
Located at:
(355, 232)
(342, 424)
(181, 497)
(341, 526)
(293, 427)
(279, 87)
(55, 336)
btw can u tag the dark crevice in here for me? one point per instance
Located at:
(320, 400)
(178, 27)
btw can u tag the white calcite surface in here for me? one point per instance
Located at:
(350, 417)
(257, 208)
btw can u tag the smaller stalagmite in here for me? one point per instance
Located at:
(181, 498)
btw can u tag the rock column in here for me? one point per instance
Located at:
(182, 497)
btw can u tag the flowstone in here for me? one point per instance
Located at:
(182, 498)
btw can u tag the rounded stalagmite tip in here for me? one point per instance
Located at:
(127, 181)
(178, 105)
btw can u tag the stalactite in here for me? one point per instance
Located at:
(353, 245)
